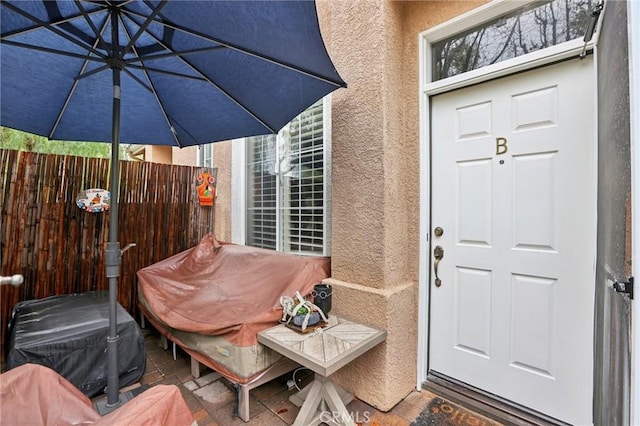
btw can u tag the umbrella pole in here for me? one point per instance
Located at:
(113, 254)
(113, 258)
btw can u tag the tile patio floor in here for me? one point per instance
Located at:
(211, 397)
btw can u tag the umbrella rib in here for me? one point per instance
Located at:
(227, 94)
(92, 25)
(35, 27)
(92, 72)
(49, 50)
(52, 29)
(152, 89)
(243, 50)
(144, 26)
(153, 57)
(207, 79)
(140, 82)
(73, 88)
(116, 3)
(64, 107)
(160, 71)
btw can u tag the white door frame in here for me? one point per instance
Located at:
(427, 88)
(633, 27)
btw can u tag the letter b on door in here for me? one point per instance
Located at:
(501, 146)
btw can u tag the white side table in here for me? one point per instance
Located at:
(323, 351)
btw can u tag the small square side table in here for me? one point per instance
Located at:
(324, 351)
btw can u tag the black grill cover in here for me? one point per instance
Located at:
(69, 334)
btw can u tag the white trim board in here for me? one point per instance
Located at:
(633, 26)
(238, 191)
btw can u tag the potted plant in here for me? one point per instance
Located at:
(300, 312)
(304, 311)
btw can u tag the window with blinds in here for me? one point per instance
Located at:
(205, 155)
(286, 207)
(261, 192)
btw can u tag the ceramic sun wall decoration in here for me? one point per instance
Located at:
(205, 186)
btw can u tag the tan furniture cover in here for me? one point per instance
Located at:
(234, 291)
(32, 394)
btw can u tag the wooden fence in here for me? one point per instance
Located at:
(59, 248)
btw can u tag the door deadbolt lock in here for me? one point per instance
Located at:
(438, 231)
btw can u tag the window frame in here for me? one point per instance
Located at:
(240, 191)
(476, 17)
(510, 14)
(205, 157)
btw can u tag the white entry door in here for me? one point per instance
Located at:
(514, 193)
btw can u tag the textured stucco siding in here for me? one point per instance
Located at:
(222, 160)
(187, 156)
(375, 181)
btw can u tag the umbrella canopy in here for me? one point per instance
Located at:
(193, 72)
(157, 72)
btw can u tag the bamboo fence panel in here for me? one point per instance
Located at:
(59, 248)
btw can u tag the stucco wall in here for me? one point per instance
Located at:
(171, 155)
(158, 154)
(222, 161)
(375, 181)
(187, 156)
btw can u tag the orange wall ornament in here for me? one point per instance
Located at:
(205, 186)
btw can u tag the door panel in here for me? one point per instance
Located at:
(513, 187)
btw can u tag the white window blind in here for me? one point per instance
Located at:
(286, 197)
(261, 192)
(205, 154)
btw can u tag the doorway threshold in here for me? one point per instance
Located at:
(486, 404)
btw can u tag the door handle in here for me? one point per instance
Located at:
(438, 254)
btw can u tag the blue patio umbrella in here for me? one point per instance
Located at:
(157, 72)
